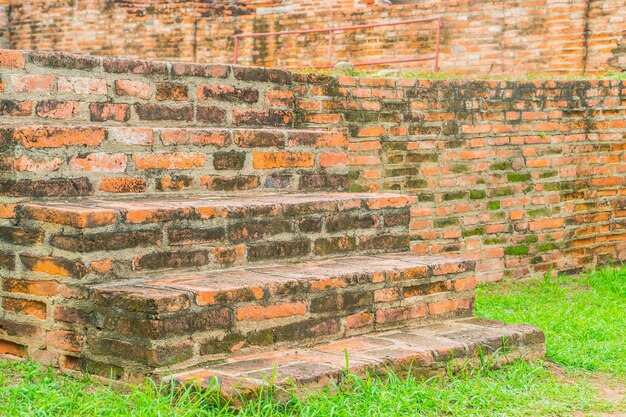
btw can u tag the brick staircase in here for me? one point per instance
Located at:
(140, 236)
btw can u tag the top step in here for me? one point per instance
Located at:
(78, 161)
(43, 87)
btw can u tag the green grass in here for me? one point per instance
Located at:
(584, 317)
(581, 316)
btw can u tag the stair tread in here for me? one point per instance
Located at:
(424, 348)
(72, 212)
(326, 272)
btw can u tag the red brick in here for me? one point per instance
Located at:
(12, 59)
(102, 112)
(260, 313)
(38, 288)
(57, 137)
(332, 159)
(123, 185)
(133, 88)
(82, 85)
(57, 109)
(33, 83)
(168, 161)
(99, 162)
(6, 347)
(270, 160)
(66, 340)
(202, 137)
(27, 307)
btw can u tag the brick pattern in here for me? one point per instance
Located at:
(425, 351)
(500, 37)
(66, 161)
(38, 89)
(195, 317)
(72, 241)
(522, 177)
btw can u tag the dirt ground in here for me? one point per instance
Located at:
(611, 390)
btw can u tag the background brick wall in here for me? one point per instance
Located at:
(495, 37)
(522, 177)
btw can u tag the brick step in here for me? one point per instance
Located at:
(100, 240)
(180, 319)
(425, 351)
(78, 161)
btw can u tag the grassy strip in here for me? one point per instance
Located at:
(583, 318)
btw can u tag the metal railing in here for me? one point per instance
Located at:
(331, 32)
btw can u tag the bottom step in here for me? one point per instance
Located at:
(424, 350)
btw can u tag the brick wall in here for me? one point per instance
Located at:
(100, 109)
(501, 37)
(520, 176)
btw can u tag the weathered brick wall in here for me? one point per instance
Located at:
(107, 147)
(499, 37)
(520, 176)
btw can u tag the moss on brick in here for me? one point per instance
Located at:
(457, 195)
(460, 169)
(531, 239)
(474, 232)
(501, 192)
(548, 174)
(518, 176)
(517, 250)
(478, 194)
(494, 241)
(539, 212)
(494, 205)
(501, 166)
(546, 247)
(446, 222)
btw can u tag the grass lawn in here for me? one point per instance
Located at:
(584, 319)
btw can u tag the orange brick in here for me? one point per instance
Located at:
(57, 137)
(122, 185)
(546, 224)
(6, 347)
(12, 59)
(270, 160)
(259, 313)
(99, 162)
(465, 284)
(168, 161)
(357, 321)
(27, 307)
(279, 98)
(448, 306)
(332, 159)
(76, 217)
(39, 288)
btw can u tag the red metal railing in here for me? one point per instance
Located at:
(331, 32)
